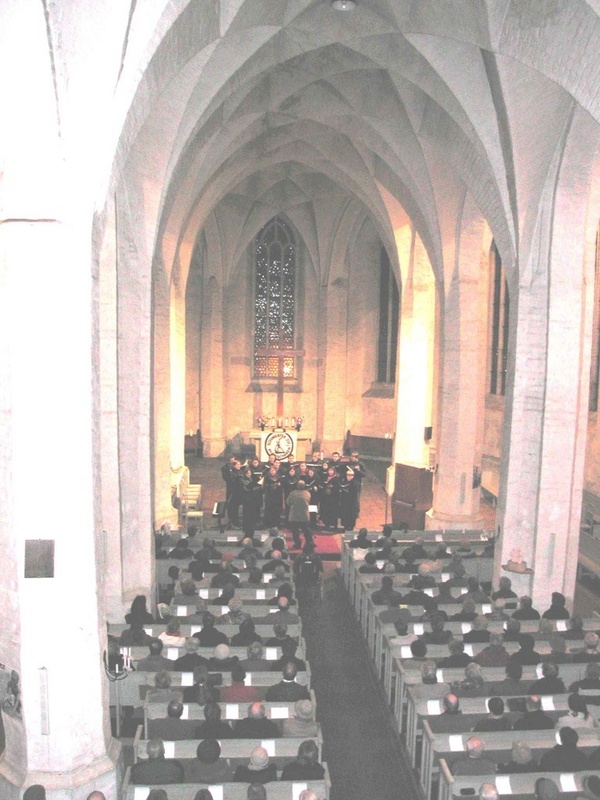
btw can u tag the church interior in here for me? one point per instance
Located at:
(363, 225)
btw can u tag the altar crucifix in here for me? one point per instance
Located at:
(280, 353)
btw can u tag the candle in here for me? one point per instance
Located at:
(273, 421)
(286, 422)
(293, 421)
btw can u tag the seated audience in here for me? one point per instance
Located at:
(258, 770)
(565, 756)
(437, 634)
(288, 654)
(288, 689)
(558, 607)
(210, 636)
(172, 636)
(496, 721)
(504, 590)
(451, 705)
(157, 769)
(208, 766)
(495, 654)
(202, 690)
(534, 718)
(221, 659)
(526, 654)
(213, 726)
(479, 632)
(457, 657)
(574, 628)
(387, 595)
(589, 686)
(247, 634)
(550, 683)
(578, 716)
(303, 723)
(526, 609)
(280, 630)
(590, 650)
(473, 684)
(513, 630)
(155, 661)
(256, 725)
(134, 635)
(306, 767)
(255, 661)
(138, 612)
(521, 759)
(191, 658)
(172, 728)
(162, 691)
(473, 762)
(238, 692)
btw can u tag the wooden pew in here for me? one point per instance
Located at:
(521, 785)
(498, 745)
(172, 653)
(276, 790)
(266, 631)
(229, 711)
(236, 751)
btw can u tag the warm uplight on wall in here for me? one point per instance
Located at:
(343, 5)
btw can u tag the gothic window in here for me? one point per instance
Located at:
(595, 361)
(275, 282)
(499, 326)
(389, 305)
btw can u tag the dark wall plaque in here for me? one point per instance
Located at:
(39, 558)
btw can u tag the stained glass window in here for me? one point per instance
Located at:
(275, 278)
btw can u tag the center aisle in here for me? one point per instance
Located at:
(361, 747)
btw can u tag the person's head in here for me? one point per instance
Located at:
(513, 626)
(235, 605)
(474, 747)
(188, 588)
(468, 605)
(254, 576)
(474, 674)
(97, 795)
(254, 650)
(533, 703)
(155, 794)
(546, 789)
(308, 794)
(370, 558)
(568, 736)
(283, 603)
(521, 753)
(289, 671)
(155, 749)
(175, 709)
(498, 606)
(592, 670)
(256, 711)
(473, 584)
(451, 704)
(437, 623)
(387, 583)
(496, 706)
(549, 669)
(162, 679)
(35, 792)
(256, 791)
(558, 600)
(200, 675)
(456, 647)
(480, 622)
(173, 626)
(238, 674)
(173, 572)
(208, 751)
(459, 569)
(192, 644)
(155, 647)
(504, 584)
(138, 605)
(308, 752)
(526, 602)
(557, 643)
(487, 791)
(428, 672)
(259, 759)
(526, 642)
(208, 620)
(418, 648)
(304, 709)
(212, 711)
(221, 652)
(301, 485)
(514, 671)
(590, 641)
(496, 639)
(280, 630)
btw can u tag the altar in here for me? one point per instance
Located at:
(281, 443)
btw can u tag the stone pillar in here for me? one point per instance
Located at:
(545, 433)
(414, 379)
(52, 631)
(462, 371)
(212, 383)
(109, 416)
(135, 379)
